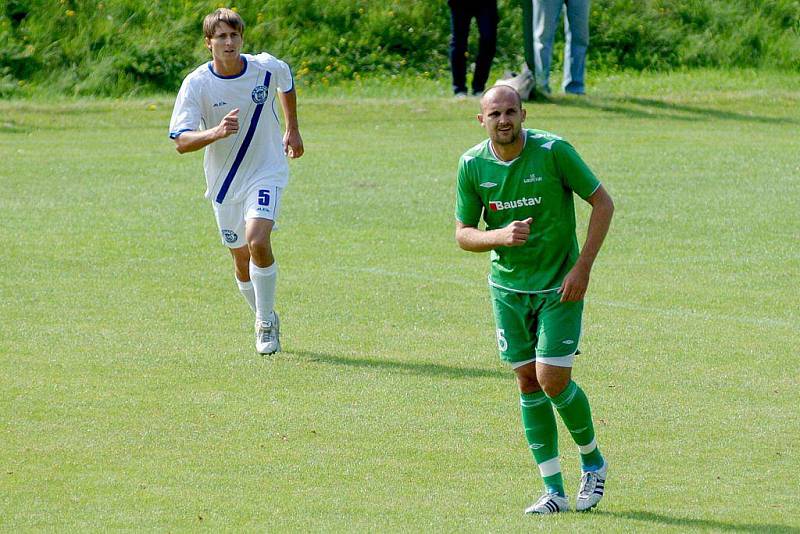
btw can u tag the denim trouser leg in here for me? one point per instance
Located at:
(576, 30)
(545, 18)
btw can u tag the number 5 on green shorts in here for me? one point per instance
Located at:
(536, 325)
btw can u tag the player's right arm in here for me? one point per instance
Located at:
(474, 239)
(191, 141)
(468, 211)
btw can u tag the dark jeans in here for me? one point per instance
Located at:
(461, 15)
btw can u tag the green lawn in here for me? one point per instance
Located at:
(132, 397)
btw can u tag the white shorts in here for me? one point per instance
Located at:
(263, 201)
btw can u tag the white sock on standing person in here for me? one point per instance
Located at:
(247, 291)
(264, 281)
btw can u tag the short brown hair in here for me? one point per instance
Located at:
(223, 14)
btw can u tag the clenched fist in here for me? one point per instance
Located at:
(229, 124)
(516, 234)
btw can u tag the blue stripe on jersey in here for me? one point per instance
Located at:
(243, 149)
(175, 135)
(291, 76)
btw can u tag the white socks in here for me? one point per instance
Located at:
(263, 280)
(247, 291)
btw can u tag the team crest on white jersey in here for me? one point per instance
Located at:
(259, 94)
(229, 236)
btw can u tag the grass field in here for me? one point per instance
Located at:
(132, 397)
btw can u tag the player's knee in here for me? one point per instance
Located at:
(258, 244)
(553, 386)
(528, 383)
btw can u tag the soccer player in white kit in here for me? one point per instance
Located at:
(227, 106)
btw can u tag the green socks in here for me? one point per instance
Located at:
(573, 407)
(542, 435)
(541, 432)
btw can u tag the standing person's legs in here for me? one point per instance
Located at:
(576, 30)
(558, 334)
(263, 269)
(246, 229)
(487, 18)
(544, 19)
(241, 266)
(231, 224)
(515, 318)
(541, 431)
(262, 206)
(460, 19)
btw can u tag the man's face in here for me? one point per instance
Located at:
(225, 44)
(502, 116)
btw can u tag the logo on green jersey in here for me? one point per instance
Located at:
(499, 205)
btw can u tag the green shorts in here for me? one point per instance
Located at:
(536, 326)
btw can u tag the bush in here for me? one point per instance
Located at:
(117, 47)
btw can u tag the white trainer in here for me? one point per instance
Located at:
(593, 484)
(523, 83)
(268, 335)
(549, 503)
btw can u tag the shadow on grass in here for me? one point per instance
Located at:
(13, 127)
(426, 369)
(650, 108)
(700, 524)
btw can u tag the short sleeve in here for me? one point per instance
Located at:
(468, 203)
(285, 78)
(575, 174)
(186, 115)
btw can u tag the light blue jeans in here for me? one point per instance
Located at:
(546, 14)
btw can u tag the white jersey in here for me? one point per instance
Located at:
(255, 152)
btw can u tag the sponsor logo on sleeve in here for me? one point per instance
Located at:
(499, 205)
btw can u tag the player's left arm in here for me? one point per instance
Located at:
(292, 142)
(573, 288)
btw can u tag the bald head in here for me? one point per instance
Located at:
(502, 115)
(502, 93)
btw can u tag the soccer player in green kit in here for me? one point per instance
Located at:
(522, 182)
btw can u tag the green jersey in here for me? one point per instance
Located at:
(539, 183)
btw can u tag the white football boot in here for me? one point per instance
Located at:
(592, 487)
(268, 335)
(524, 83)
(549, 503)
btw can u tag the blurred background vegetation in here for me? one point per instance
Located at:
(124, 47)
